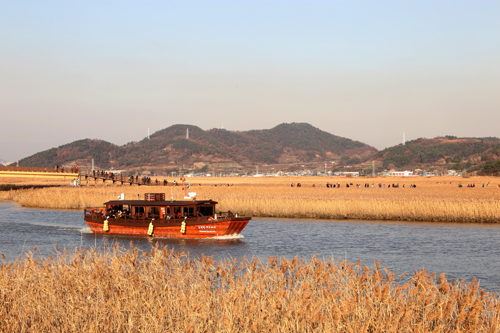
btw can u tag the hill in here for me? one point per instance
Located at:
(447, 152)
(169, 149)
(78, 152)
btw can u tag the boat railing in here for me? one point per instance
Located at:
(100, 212)
(223, 215)
(203, 217)
(94, 211)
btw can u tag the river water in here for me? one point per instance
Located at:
(462, 251)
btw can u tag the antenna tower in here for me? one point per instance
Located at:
(404, 141)
(187, 133)
(148, 132)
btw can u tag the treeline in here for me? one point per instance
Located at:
(457, 153)
(491, 168)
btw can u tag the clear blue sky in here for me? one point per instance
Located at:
(366, 70)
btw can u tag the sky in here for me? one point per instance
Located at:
(365, 70)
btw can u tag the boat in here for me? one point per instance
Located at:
(156, 217)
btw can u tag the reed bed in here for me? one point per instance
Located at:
(124, 290)
(434, 199)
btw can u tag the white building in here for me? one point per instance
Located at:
(400, 173)
(351, 173)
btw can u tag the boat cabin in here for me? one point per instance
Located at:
(161, 209)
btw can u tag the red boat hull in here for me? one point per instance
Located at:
(164, 228)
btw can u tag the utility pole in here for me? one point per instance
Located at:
(373, 168)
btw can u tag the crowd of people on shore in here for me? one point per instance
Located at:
(474, 185)
(366, 185)
(61, 169)
(380, 185)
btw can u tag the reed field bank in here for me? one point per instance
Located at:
(433, 199)
(126, 290)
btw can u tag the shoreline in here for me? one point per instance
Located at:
(432, 200)
(356, 217)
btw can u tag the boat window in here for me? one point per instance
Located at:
(139, 210)
(188, 211)
(206, 210)
(177, 211)
(154, 210)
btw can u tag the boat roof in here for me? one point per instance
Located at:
(161, 203)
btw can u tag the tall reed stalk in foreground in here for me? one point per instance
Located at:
(118, 290)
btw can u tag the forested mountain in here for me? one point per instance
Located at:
(169, 148)
(449, 152)
(82, 150)
(291, 144)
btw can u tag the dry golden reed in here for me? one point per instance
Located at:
(119, 290)
(433, 199)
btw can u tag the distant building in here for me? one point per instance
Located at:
(400, 173)
(224, 164)
(346, 173)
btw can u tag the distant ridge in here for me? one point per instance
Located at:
(283, 146)
(448, 152)
(169, 149)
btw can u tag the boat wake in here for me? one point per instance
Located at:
(85, 231)
(234, 236)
